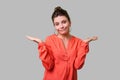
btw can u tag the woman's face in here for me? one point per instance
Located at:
(62, 25)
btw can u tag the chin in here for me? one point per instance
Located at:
(63, 33)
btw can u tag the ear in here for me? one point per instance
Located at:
(70, 24)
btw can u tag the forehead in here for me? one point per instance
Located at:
(60, 18)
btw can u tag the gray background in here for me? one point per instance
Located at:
(19, 57)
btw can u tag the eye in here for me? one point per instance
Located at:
(56, 24)
(64, 21)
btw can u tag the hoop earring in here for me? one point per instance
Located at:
(55, 32)
(70, 29)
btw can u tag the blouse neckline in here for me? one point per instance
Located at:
(62, 44)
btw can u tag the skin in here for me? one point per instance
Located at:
(62, 26)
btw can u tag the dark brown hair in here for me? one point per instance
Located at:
(58, 11)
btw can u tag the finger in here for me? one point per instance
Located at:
(29, 37)
(95, 38)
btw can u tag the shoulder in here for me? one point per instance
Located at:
(79, 41)
(77, 38)
(50, 37)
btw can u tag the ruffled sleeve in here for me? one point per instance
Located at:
(83, 49)
(45, 54)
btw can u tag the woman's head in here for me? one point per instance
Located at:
(61, 21)
(58, 11)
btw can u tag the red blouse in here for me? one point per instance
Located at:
(62, 63)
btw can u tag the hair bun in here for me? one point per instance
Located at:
(57, 8)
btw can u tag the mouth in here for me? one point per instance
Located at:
(63, 29)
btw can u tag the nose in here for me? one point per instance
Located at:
(61, 26)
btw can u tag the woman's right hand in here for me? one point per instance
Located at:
(34, 39)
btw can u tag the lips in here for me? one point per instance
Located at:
(63, 29)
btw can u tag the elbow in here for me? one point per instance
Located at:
(48, 66)
(78, 67)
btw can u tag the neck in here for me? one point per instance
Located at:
(64, 37)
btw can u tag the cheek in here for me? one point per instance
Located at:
(56, 27)
(67, 25)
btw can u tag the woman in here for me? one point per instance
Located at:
(62, 54)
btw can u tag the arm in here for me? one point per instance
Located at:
(83, 49)
(45, 53)
(82, 52)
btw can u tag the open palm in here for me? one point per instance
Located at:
(94, 38)
(37, 40)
